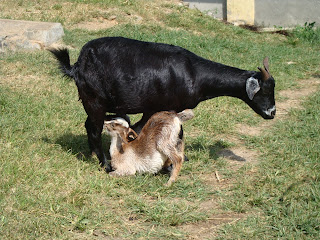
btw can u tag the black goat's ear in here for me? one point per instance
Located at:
(252, 87)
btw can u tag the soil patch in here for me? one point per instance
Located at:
(208, 229)
(97, 24)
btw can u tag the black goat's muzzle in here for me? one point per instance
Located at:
(270, 113)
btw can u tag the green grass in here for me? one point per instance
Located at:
(286, 187)
(307, 33)
(50, 187)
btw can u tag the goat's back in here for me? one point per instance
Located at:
(185, 115)
(163, 128)
(135, 76)
(161, 125)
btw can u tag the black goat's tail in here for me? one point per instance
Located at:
(62, 55)
(185, 115)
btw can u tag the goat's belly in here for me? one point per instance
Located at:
(151, 164)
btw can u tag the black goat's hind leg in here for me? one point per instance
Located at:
(95, 142)
(137, 127)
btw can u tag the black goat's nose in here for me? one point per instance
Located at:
(273, 113)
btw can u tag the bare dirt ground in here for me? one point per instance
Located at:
(97, 24)
(239, 155)
(101, 23)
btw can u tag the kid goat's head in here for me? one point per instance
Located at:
(260, 90)
(120, 127)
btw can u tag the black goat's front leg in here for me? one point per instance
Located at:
(137, 127)
(94, 130)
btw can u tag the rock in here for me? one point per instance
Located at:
(17, 34)
(113, 17)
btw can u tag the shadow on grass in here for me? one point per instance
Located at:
(316, 75)
(78, 145)
(216, 150)
(199, 146)
(227, 153)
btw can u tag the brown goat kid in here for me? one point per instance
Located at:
(159, 144)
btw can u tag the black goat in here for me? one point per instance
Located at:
(126, 76)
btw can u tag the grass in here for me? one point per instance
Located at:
(51, 188)
(307, 33)
(287, 185)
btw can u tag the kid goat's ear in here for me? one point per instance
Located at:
(132, 135)
(252, 87)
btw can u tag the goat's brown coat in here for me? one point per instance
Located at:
(157, 146)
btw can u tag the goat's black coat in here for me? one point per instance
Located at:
(126, 76)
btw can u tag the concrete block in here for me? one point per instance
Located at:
(17, 34)
(286, 13)
(213, 8)
(240, 12)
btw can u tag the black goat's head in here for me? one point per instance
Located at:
(260, 90)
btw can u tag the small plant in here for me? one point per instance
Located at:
(308, 33)
(57, 7)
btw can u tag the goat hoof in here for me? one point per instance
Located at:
(166, 170)
(186, 159)
(108, 168)
(168, 184)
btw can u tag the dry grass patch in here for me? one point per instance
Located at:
(32, 84)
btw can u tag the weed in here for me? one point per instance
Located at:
(308, 33)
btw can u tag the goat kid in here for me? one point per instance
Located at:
(159, 144)
(125, 76)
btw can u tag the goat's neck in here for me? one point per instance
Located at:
(116, 145)
(221, 80)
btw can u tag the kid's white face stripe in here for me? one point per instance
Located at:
(121, 121)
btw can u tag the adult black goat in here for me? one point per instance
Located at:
(126, 76)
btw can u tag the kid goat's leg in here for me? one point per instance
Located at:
(177, 160)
